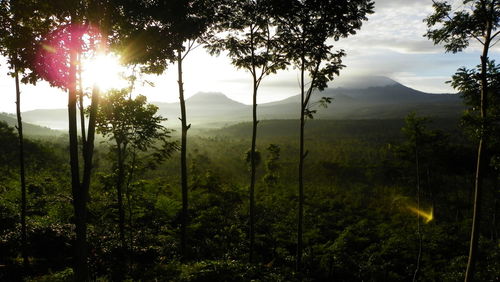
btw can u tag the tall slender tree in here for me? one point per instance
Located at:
(252, 43)
(20, 26)
(70, 22)
(307, 28)
(478, 21)
(419, 143)
(171, 30)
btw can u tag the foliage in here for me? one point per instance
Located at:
(305, 27)
(134, 127)
(271, 178)
(457, 27)
(249, 36)
(475, 20)
(150, 32)
(358, 226)
(357, 223)
(131, 122)
(467, 82)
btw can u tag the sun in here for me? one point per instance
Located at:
(103, 71)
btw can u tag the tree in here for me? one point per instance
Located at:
(419, 148)
(250, 38)
(272, 164)
(133, 126)
(306, 28)
(476, 20)
(20, 27)
(70, 24)
(171, 30)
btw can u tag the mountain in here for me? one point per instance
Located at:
(373, 98)
(363, 81)
(207, 107)
(29, 129)
(53, 118)
(380, 102)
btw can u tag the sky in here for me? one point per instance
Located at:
(390, 44)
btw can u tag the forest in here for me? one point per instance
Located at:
(127, 195)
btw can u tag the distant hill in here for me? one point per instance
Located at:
(381, 102)
(207, 107)
(386, 99)
(28, 128)
(372, 130)
(53, 118)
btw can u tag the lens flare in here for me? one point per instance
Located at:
(52, 61)
(103, 71)
(427, 216)
(48, 48)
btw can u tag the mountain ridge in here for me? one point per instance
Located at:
(390, 100)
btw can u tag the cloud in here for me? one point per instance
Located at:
(396, 25)
(388, 4)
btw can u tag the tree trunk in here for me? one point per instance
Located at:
(80, 100)
(24, 239)
(129, 199)
(88, 152)
(81, 266)
(184, 180)
(298, 261)
(478, 181)
(419, 231)
(253, 164)
(476, 213)
(119, 191)
(122, 264)
(88, 148)
(253, 168)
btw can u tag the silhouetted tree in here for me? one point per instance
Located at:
(171, 30)
(134, 126)
(419, 148)
(475, 20)
(307, 28)
(271, 178)
(249, 36)
(20, 26)
(71, 22)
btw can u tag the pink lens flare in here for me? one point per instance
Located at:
(52, 61)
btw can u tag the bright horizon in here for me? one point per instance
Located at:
(389, 44)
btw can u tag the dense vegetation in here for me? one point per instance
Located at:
(379, 200)
(358, 222)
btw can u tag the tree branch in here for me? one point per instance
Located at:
(311, 87)
(494, 35)
(494, 43)
(478, 39)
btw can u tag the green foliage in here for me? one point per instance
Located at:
(305, 26)
(358, 225)
(271, 178)
(468, 83)
(130, 121)
(227, 271)
(455, 28)
(248, 34)
(256, 156)
(22, 24)
(65, 275)
(151, 31)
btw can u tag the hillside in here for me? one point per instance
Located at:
(373, 131)
(387, 100)
(381, 102)
(28, 128)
